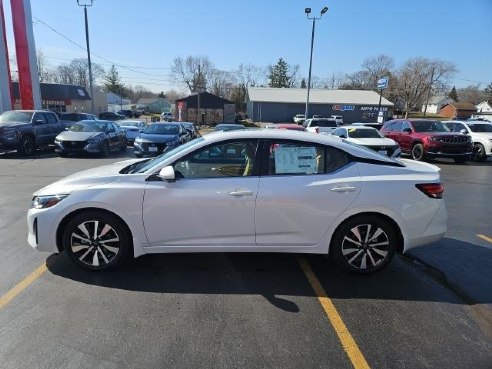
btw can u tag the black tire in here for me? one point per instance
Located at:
(480, 154)
(105, 149)
(106, 247)
(418, 152)
(26, 146)
(123, 146)
(354, 247)
(460, 160)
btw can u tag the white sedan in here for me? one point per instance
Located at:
(240, 191)
(370, 138)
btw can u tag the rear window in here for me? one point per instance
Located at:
(363, 133)
(324, 123)
(481, 127)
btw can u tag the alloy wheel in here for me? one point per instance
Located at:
(95, 243)
(365, 246)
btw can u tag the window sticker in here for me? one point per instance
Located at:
(295, 160)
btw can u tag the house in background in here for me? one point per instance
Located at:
(436, 103)
(461, 110)
(211, 110)
(155, 105)
(114, 99)
(484, 110)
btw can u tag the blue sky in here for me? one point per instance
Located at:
(151, 33)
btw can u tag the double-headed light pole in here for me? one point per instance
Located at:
(314, 19)
(85, 4)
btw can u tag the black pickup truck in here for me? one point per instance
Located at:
(26, 130)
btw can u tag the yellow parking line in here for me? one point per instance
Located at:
(22, 285)
(488, 239)
(348, 343)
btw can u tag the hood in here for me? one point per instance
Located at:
(373, 141)
(154, 138)
(13, 124)
(87, 178)
(77, 136)
(441, 134)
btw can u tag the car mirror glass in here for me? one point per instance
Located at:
(343, 136)
(463, 131)
(167, 173)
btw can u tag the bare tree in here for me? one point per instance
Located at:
(247, 75)
(472, 94)
(77, 73)
(221, 82)
(46, 74)
(356, 81)
(193, 71)
(376, 67)
(418, 75)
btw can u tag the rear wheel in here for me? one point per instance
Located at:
(26, 146)
(418, 152)
(105, 149)
(480, 154)
(96, 241)
(364, 244)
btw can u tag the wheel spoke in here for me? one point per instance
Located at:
(367, 233)
(105, 230)
(369, 253)
(111, 248)
(84, 230)
(96, 224)
(104, 257)
(379, 244)
(352, 241)
(376, 234)
(356, 232)
(110, 240)
(86, 253)
(95, 259)
(382, 253)
(363, 262)
(81, 238)
(79, 248)
(355, 256)
(349, 251)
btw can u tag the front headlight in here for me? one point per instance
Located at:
(174, 142)
(9, 134)
(43, 202)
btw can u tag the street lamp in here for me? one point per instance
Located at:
(314, 19)
(85, 4)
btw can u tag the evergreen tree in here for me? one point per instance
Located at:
(112, 81)
(453, 94)
(303, 83)
(279, 75)
(162, 95)
(488, 91)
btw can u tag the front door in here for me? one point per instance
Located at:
(212, 201)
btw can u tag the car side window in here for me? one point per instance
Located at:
(226, 159)
(294, 158)
(339, 132)
(39, 116)
(405, 125)
(458, 127)
(50, 118)
(397, 127)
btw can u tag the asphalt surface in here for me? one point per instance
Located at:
(430, 309)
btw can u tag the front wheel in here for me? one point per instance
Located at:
(26, 146)
(418, 152)
(96, 241)
(480, 154)
(364, 244)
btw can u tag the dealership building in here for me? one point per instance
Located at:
(277, 105)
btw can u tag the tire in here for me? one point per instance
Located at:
(480, 154)
(352, 252)
(123, 146)
(418, 152)
(460, 160)
(105, 149)
(26, 146)
(108, 249)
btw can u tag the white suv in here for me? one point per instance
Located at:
(338, 118)
(299, 118)
(480, 133)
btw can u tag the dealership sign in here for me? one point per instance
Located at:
(343, 107)
(382, 83)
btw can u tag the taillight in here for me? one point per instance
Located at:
(432, 190)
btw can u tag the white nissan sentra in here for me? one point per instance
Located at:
(244, 191)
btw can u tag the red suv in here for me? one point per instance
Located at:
(428, 139)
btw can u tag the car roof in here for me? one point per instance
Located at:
(359, 127)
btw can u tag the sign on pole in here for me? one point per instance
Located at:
(382, 83)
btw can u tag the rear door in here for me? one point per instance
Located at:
(303, 189)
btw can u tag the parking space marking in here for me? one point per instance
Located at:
(485, 238)
(348, 343)
(22, 285)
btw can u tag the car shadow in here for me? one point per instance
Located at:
(49, 153)
(273, 276)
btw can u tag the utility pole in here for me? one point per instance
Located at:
(429, 92)
(91, 87)
(198, 87)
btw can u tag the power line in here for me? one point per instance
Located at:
(94, 54)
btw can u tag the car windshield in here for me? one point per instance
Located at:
(363, 133)
(128, 123)
(16, 116)
(324, 123)
(481, 127)
(231, 127)
(429, 126)
(89, 127)
(162, 129)
(145, 165)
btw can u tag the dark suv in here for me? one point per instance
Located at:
(423, 139)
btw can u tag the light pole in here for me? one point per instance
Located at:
(308, 11)
(85, 5)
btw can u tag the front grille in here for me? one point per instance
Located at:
(160, 147)
(389, 149)
(452, 139)
(74, 145)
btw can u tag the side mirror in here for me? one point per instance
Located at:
(39, 121)
(407, 130)
(167, 174)
(342, 136)
(464, 131)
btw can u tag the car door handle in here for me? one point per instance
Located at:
(241, 193)
(343, 189)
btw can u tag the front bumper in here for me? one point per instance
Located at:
(42, 229)
(152, 149)
(78, 147)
